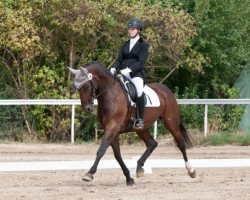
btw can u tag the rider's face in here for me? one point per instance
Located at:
(133, 32)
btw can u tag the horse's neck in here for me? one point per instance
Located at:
(102, 79)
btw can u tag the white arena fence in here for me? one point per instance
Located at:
(73, 103)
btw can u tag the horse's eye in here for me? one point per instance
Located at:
(85, 86)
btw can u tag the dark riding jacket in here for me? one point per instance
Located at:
(134, 59)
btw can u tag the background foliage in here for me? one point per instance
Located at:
(197, 48)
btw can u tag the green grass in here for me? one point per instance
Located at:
(229, 138)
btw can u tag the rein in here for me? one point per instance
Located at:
(105, 88)
(97, 95)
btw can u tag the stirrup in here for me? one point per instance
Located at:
(138, 124)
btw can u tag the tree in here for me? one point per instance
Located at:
(70, 28)
(223, 38)
(19, 44)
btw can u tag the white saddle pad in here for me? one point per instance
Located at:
(152, 97)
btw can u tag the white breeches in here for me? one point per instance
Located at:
(138, 83)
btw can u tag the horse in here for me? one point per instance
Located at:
(113, 113)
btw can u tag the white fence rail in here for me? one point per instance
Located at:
(73, 103)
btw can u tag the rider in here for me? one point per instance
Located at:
(131, 61)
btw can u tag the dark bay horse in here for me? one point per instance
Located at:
(95, 81)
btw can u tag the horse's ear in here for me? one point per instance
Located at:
(74, 71)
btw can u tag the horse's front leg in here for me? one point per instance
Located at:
(151, 145)
(117, 153)
(101, 151)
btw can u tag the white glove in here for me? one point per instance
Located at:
(113, 71)
(125, 71)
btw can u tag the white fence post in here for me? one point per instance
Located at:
(205, 120)
(155, 129)
(72, 124)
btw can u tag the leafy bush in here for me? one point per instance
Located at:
(220, 117)
(53, 122)
(86, 127)
(191, 115)
(10, 116)
(225, 117)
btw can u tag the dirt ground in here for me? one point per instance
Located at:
(167, 183)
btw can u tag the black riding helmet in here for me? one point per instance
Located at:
(136, 23)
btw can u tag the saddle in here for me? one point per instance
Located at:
(129, 89)
(151, 99)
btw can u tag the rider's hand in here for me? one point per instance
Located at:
(113, 71)
(125, 71)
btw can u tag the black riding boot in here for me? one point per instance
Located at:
(140, 106)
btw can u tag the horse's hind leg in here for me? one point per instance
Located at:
(151, 144)
(182, 140)
(181, 145)
(117, 153)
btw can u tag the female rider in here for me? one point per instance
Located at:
(130, 63)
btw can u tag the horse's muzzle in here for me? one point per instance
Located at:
(88, 108)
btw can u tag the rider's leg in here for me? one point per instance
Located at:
(140, 106)
(139, 84)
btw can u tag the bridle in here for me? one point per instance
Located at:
(92, 93)
(88, 77)
(81, 80)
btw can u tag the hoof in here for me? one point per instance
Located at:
(192, 174)
(130, 182)
(140, 173)
(88, 177)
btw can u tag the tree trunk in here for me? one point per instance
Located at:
(20, 84)
(168, 75)
(71, 60)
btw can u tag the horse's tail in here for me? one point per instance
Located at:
(186, 136)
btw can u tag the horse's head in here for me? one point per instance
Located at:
(86, 88)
